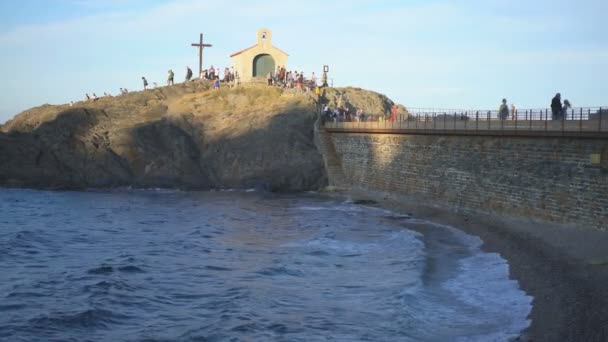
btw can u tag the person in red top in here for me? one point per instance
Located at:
(394, 113)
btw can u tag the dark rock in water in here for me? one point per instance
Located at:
(365, 202)
(398, 217)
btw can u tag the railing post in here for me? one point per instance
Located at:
(465, 118)
(580, 122)
(489, 122)
(546, 119)
(434, 121)
(477, 120)
(599, 125)
(515, 113)
(426, 118)
(563, 121)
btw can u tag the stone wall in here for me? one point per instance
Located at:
(561, 180)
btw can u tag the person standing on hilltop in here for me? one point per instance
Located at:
(188, 73)
(556, 106)
(145, 83)
(226, 75)
(503, 110)
(170, 76)
(324, 79)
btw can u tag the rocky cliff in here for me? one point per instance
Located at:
(182, 136)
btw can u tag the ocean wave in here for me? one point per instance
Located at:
(90, 318)
(280, 271)
(299, 268)
(343, 208)
(483, 281)
(104, 269)
(131, 269)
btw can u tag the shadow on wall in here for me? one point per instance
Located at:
(280, 157)
(525, 177)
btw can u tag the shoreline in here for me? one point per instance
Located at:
(563, 268)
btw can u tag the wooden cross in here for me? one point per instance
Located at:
(201, 46)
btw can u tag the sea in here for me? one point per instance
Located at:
(164, 265)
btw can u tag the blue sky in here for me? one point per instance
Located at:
(438, 54)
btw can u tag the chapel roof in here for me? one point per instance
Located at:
(251, 47)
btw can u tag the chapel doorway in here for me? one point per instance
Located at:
(262, 65)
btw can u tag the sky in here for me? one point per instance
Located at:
(460, 54)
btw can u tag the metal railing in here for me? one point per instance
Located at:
(582, 120)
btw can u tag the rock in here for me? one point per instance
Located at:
(182, 136)
(365, 202)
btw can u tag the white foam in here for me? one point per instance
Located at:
(342, 208)
(484, 281)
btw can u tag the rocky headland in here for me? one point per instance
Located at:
(189, 136)
(186, 136)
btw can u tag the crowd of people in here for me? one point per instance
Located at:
(213, 74)
(344, 114)
(280, 78)
(230, 75)
(559, 111)
(294, 79)
(340, 114)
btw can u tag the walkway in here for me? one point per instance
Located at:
(579, 122)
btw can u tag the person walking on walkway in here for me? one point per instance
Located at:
(394, 113)
(567, 105)
(503, 110)
(556, 106)
(170, 76)
(145, 82)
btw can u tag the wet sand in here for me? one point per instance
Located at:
(564, 268)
